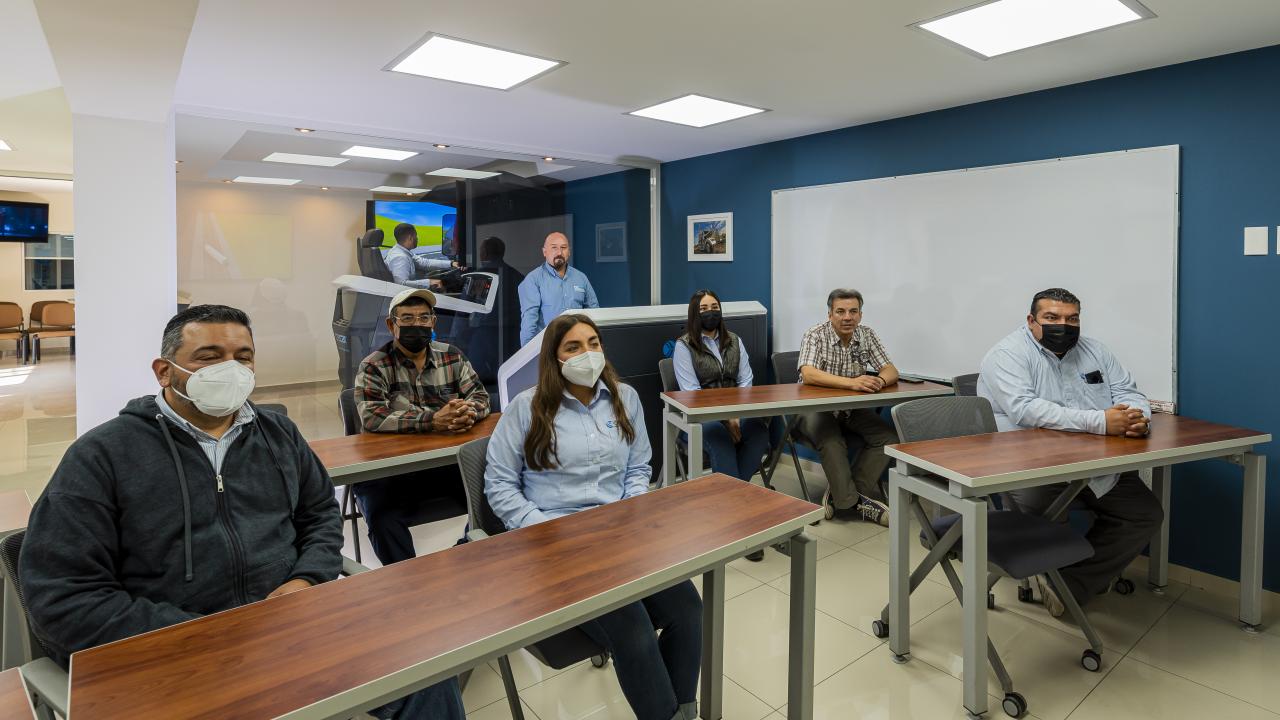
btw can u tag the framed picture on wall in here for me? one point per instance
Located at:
(711, 237)
(611, 242)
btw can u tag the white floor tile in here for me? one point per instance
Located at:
(580, 692)
(500, 711)
(1136, 690)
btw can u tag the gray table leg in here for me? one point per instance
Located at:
(804, 571)
(1251, 537)
(669, 431)
(1158, 564)
(973, 515)
(695, 450)
(899, 572)
(712, 644)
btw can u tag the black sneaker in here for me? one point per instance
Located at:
(873, 511)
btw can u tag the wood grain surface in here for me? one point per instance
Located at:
(14, 702)
(791, 392)
(274, 656)
(355, 449)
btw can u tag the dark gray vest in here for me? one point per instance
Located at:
(713, 373)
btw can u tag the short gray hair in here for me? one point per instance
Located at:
(172, 339)
(843, 294)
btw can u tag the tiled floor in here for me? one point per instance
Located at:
(1180, 655)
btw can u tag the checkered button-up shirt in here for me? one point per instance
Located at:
(393, 397)
(821, 350)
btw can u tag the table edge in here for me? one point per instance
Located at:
(850, 400)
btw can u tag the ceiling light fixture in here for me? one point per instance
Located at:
(323, 188)
(696, 111)
(464, 174)
(4, 145)
(304, 130)
(177, 162)
(441, 147)
(444, 58)
(378, 153)
(394, 189)
(226, 181)
(1004, 26)
(265, 180)
(549, 159)
(296, 159)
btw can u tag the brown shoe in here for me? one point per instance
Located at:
(1049, 596)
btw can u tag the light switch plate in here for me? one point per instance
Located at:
(1255, 240)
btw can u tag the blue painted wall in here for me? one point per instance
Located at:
(1224, 112)
(617, 197)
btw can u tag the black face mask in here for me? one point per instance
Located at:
(1058, 339)
(710, 320)
(414, 338)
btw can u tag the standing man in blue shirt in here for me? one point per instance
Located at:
(1046, 375)
(552, 288)
(403, 263)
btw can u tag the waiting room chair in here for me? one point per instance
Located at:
(369, 256)
(37, 314)
(351, 425)
(12, 327)
(1019, 545)
(58, 320)
(558, 651)
(47, 682)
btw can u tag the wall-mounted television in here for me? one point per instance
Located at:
(435, 223)
(24, 221)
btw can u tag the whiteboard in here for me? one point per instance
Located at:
(948, 262)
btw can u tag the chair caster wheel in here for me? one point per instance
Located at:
(1124, 586)
(1091, 661)
(599, 661)
(1026, 595)
(1014, 705)
(991, 601)
(880, 629)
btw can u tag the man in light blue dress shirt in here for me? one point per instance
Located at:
(403, 264)
(1046, 375)
(552, 288)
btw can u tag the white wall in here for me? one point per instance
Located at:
(272, 252)
(12, 281)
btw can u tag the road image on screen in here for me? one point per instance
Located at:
(429, 218)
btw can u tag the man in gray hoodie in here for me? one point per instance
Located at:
(190, 502)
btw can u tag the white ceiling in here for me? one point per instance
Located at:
(34, 185)
(817, 65)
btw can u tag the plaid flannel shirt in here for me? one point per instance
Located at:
(821, 350)
(393, 397)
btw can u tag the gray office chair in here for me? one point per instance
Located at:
(667, 373)
(351, 426)
(965, 385)
(1019, 545)
(558, 651)
(785, 372)
(47, 683)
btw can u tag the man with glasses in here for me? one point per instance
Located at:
(414, 385)
(1045, 374)
(843, 353)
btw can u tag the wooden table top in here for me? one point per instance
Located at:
(15, 509)
(337, 454)
(448, 608)
(1010, 456)
(14, 701)
(791, 394)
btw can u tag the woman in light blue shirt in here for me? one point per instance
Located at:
(575, 442)
(709, 356)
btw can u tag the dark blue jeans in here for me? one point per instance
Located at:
(442, 701)
(743, 459)
(392, 505)
(658, 671)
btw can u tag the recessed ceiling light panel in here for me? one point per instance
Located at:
(296, 159)
(399, 190)
(696, 111)
(265, 180)
(4, 145)
(465, 174)
(1004, 26)
(378, 153)
(445, 58)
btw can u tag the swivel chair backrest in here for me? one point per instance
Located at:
(369, 256)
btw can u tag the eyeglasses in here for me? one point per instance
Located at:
(404, 320)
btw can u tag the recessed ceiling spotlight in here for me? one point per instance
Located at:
(465, 174)
(226, 181)
(323, 188)
(549, 159)
(304, 130)
(296, 159)
(1003, 26)
(378, 153)
(445, 58)
(265, 180)
(440, 146)
(394, 189)
(696, 111)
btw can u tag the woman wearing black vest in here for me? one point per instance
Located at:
(709, 356)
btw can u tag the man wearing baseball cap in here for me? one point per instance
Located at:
(414, 384)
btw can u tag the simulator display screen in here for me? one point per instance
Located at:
(431, 219)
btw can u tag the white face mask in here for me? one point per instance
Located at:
(218, 390)
(583, 369)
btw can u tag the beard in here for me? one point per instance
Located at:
(557, 263)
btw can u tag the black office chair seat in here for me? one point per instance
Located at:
(1023, 545)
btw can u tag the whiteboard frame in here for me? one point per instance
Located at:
(1172, 403)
